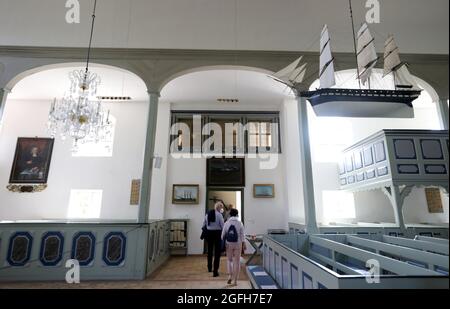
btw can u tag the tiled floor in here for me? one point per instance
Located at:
(177, 273)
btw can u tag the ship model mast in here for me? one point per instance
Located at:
(331, 101)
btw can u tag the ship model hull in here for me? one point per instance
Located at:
(366, 103)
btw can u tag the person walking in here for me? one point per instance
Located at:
(233, 235)
(214, 225)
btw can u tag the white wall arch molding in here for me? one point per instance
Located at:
(224, 67)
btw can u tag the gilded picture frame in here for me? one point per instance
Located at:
(31, 164)
(185, 194)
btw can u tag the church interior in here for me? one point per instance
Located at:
(323, 123)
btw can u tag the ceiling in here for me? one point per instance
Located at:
(294, 25)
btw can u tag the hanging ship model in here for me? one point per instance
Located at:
(332, 101)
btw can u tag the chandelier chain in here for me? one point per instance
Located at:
(91, 36)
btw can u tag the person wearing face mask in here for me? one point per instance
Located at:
(214, 225)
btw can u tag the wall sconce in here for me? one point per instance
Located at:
(157, 161)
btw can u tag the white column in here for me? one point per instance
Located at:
(306, 166)
(397, 203)
(3, 94)
(146, 181)
(442, 107)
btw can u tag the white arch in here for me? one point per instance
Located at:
(17, 78)
(54, 81)
(212, 68)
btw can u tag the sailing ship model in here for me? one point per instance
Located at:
(332, 101)
(292, 74)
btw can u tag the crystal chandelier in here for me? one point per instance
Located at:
(79, 114)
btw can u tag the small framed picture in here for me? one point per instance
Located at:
(31, 161)
(264, 191)
(185, 194)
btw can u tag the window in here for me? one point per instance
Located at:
(231, 133)
(185, 139)
(85, 204)
(239, 133)
(338, 205)
(260, 134)
(89, 147)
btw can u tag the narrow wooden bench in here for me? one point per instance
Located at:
(260, 279)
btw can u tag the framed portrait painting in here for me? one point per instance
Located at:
(31, 161)
(264, 191)
(185, 194)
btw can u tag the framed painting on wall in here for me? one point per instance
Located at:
(264, 191)
(225, 172)
(434, 201)
(185, 194)
(31, 161)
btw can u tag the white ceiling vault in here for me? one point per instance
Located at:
(294, 25)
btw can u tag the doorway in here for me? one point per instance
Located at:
(230, 197)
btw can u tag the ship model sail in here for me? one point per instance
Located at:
(329, 101)
(291, 75)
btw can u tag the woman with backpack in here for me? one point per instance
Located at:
(233, 235)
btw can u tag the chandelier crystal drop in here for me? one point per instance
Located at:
(79, 114)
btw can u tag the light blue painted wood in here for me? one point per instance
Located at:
(136, 264)
(403, 150)
(433, 240)
(431, 259)
(306, 166)
(314, 264)
(418, 244)
(146, 183)
(443, 114)
(3, 95)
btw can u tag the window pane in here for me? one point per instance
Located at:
(85, 204)
(260, 134)
(185, 137)
(228, 136)
(265, 127)
(253, 140)
(253, 127)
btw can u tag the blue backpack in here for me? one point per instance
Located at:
(232, 235)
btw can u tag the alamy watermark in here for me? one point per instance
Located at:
(207, 140)
(373, 12)
(73, 274)
(374, 271)
(73, 12)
